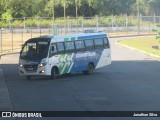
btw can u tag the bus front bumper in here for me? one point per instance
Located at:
(34, 72)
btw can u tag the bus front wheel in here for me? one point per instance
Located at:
(54, 73)
(90, 69)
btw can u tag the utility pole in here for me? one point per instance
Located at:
(76, 13)
(53, 10)
(76, 7)
(138, 14)
(53, 24)
(64, 4)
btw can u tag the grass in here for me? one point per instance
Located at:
(144, 44)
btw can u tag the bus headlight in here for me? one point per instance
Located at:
(20, 65)
(42, 64)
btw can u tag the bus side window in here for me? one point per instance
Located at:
(98, 43)
(89, 44)
(69, 46)
(79, 45)
(53, 50)
(60, 47)
(106, 43)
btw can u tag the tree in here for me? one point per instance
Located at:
(154, 7)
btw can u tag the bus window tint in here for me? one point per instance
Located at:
(69, 46)
(98, 43)
(79, 45)
(106, 44)
(60, 47)
(89, 44)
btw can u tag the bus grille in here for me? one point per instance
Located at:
(31, 67)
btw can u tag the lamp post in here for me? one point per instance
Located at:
(76, 12)
(76, 8)
(53, 9)
(138, 14)
(64, 5)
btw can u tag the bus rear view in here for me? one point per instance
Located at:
(57, 55)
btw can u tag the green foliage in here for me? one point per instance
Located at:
(158, 35)
(31, 23)
(7, 15)
(87, 8)
(3, 25)
(44, 8)
(18, 23)
(45, 23)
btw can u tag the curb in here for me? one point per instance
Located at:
(135, 49)
(5, 101)
(7, 54)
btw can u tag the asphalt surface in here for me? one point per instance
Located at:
(130, 83)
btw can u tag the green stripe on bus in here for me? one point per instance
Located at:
(73, 38)
(66, 39)
(62, 64)
(68, 63)
(66, 70)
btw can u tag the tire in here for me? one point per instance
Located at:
(89, 70)
(54, 73)
(28, 77)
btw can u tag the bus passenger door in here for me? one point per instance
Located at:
(53, 57)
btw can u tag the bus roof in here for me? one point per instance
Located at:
(75, 36)
(78, 36)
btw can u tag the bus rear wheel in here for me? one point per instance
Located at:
(90, 69)
(54, 73)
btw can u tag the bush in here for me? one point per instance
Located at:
(158, 35)
(3, 25)
(31, 23)
(18, 23)
(158, 25)
(46, 23)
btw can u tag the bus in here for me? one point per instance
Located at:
(65, 54)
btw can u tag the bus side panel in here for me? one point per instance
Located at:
(64, 62)
(105, 59)
(82, 59)
(79, 62)
(76, 62)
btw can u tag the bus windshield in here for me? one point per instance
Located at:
(34, 50)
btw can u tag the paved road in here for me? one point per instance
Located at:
(131, 83)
